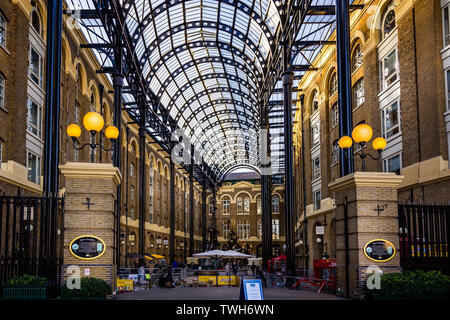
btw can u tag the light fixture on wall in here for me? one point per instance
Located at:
(319, 240)
(362, 134)
(94, 123)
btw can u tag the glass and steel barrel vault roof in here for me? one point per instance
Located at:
(205, 61)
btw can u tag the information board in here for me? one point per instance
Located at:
(379, 250)
(87, 247)
(251, 289)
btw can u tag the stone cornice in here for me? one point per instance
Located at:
(91, 170)
(366, 179)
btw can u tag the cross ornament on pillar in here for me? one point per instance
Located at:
(88, 203)
(380, 208)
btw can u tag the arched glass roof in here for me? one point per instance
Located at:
(208, 63)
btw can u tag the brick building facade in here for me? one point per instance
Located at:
(22, 65)
(398, 57)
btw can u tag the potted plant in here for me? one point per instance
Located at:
(90, 289)
(25, 287)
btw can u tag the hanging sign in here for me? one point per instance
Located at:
(379, 250)
(320, 230)
(87, 247)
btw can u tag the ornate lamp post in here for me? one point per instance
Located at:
(362, 134)
(93, 122)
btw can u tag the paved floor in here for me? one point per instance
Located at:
(221, 293)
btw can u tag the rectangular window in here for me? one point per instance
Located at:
(2, 92)
(390, 120)
(392, 164)
(275, 229)
(132, 193)
(358, 94)
(334, 115)
(34, 168)
(34, 118)
(316, 168)
(2, 30)
(259, 229)
(131, 169)
(315, 135)
(243, 228)
(226, 206)
(389, 70)
(225, 230)
(35, 69)
(446, 26)
(335, 153)
(317, 198)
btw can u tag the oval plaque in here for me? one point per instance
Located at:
(379, 250)
(87, 247)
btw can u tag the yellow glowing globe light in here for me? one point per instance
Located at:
(73, 130)
(112, 132)
(362, 133)
(345, 142)
(379, 143)
(93, 121)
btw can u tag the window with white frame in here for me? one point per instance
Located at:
(335, 152)
(132, 169)
(393, 164)
(275, 229)
(34, 118)
(317, 197)
(2, 30)
(246, 205)
(275, 204)
(358, 93)
(316, 168)
(36, 22)
(258, 206)
(334, 115)
(36, 66)
(34, 167)
(226, 206)
(389, 69)
(243, 228)
(2, 92)
(225, 230)
(388, 22)
(357, 58)
(259, 229)
(333, 84)
(239, 205)
(132, 193)
(315, 134)
(390, 120)
(447, 74)
(446, 24)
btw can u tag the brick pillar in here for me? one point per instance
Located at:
(98, 182)
(363, 192)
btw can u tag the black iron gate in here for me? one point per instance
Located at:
(424, 236)
(31, 238)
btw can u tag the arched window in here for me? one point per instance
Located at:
(246, 205)
(2, 31)
(388, 23)
(333, 84)
(92, 102)
(357, 58)
(36, 22)
(240, 205)
(275, 204)
(358, 93)
(315, 102)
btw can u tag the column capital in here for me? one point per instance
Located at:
(91, 170)
(367, 179)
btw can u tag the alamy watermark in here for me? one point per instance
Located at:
(374, 279)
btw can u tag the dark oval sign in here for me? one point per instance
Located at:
(87, 247)
(379, 250)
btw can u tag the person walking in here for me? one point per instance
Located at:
(253, 268)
